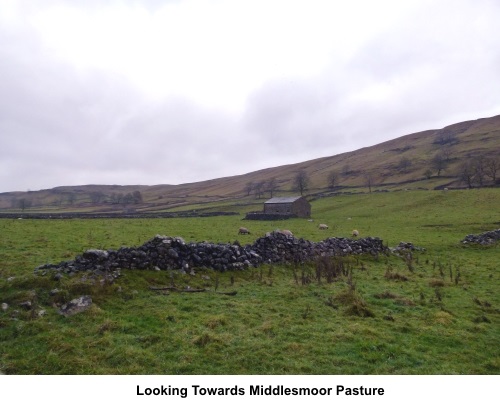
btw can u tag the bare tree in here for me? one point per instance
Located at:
(428, 174)
(404, 164)
(24, 203)
(137, 197)
(272, 186)
(301, 181)
(248, 188)
(117, 198)
(478, 165)
(446, 137)
(127, 199)
(446, 152)
(96, 197)
(439, 163)
(467, 174)
(259, 188)
(492, 166)
(71, 198)
(333, 179)
(346, 170)
(369, 181)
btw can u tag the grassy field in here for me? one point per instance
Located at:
(437, 312)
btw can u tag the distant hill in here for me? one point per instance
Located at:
(453, 156)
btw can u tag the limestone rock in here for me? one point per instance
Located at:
(76, 306)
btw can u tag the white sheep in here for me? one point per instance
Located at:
(355, 233)
(286, 232)
(243, 231)
(323, 226)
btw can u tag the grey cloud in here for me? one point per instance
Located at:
(59, 126)
(51, 118)
(291, 115)
(179, 137)
(65, 127)
(152, 5)
(439, 66)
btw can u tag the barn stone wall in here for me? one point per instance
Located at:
(299, 208)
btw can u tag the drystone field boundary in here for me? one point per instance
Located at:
(173, 253)
(116, 215)
(485, 238)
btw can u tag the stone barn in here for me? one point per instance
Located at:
(293, 206)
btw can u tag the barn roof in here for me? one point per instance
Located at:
(281, 200)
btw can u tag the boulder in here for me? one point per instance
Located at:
(76, 306)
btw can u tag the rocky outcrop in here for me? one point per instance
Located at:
(169, 253)
(486, 238)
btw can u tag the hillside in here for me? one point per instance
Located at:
(398, 163)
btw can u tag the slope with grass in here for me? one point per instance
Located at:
(429, 312)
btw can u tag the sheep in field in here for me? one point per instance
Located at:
(323, 226)
(243, 231)
(286, 232)
(355, 233)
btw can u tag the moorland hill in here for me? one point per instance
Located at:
(465, 154)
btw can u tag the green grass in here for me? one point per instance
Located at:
(444, 319)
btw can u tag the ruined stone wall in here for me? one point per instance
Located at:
(168, 253)
(485, 238)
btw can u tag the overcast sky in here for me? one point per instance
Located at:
(177, 91)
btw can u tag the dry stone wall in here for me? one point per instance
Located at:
(485, 238)
(262, 216)
(116, 215)
(169, 253)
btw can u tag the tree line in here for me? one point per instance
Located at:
(479, 171)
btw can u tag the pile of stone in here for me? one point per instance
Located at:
(276, 247)
(486, 238)
(406, 247)
(169, 253)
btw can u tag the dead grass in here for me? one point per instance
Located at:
(386, 295)
(390, 275)
(436, 283)
(354, 303)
